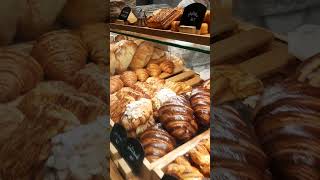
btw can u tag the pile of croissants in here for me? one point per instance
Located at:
(58, 86)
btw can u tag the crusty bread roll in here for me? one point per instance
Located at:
(39, 16)
(18, 73)
(123, 53)
(60, 53)
(95, 37)
(142, 55)
(10, 11)
(81, 12)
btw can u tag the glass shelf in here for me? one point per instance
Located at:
(198, 43)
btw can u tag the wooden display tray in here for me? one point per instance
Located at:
(158, 171)
(181, 74)
(192, 38)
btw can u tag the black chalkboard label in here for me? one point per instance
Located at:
(193, 15)
(133, 153)
(118, 136)
(125, 13)
(169, 177)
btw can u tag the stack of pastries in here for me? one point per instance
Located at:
(287, 123)
(58, 87)
(235, 152)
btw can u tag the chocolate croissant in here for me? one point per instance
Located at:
(177, 117)
(200, 103)
(156, 143)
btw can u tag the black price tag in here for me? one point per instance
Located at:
(133, 153)
(169, 177)
(125, 13)
(193, 15)
(118, 136)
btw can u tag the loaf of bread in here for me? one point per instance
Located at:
(39, 17)
(81, 12)
(176, 115)
(95, 37)
(121, 55)
(142, 55)
(138, 116)
(115, 84)
(61, 54)
(129, 78)
(156, 143)
(92, 80)
(200, 103)
(288, 126)
(18, 74)
(163, 18)
(232, 138)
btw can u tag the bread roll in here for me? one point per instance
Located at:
(39, 17)
(142, 74)
(142, 55)
(61, 54)
(81, 12)
(156, 143)
(123, 53)
(95, 37)
(129, 78)
(177, 117)
(167, 66)
(18, 73)
(115, 84)
(92, 80)
(200, 103)
(154, 70)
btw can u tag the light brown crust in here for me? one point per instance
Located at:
(154, 70)
(142, 74)
(142, 55)
(129, 78)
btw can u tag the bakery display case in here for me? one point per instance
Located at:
(160, 95)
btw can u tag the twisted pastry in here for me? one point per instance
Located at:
(177, 117)
(234, 150)
(288, 126)
(200, 103)
(156, 143)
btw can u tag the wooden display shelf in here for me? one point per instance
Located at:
(158, 33)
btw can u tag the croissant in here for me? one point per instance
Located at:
(177, 117)
(92, 80)
(182, 169)
(201, 156)
(130, 92)
(137, 117)
(18, 74)
(161, 97)
(154, 70)
(232, 137)
(11, 117)
(156, 143)
(118, 106)
(178, 87)
(84, 106)
(115, 84)
(200, 102)
(156, 82)
(129, 78)
(287, 124)
(142, 74)
(167, 66)
(61, 54)
(145, 88)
